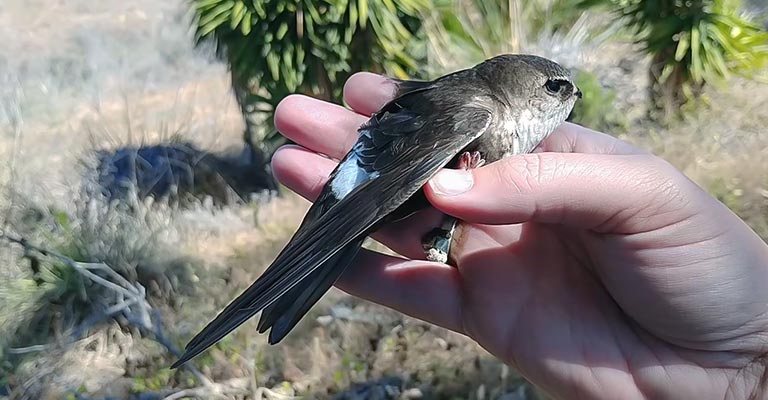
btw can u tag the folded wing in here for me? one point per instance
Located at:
(399, 149)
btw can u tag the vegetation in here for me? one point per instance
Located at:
(691, 43)
(64, 334)
(466, 32)
(596, 108)
(279, 47)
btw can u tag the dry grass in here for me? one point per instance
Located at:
(105, 75)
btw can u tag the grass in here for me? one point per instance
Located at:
(114, 75)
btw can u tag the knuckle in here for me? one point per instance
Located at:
(532, 166)
(508, 176)
(528, 172)
(670, 185)
(660, 187)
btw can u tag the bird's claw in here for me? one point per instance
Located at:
(436, 255)
(471, 160)
(437, 245)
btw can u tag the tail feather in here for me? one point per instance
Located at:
(283, 315)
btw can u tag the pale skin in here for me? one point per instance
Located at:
(595, 269)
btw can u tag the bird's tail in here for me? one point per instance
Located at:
(283, 315)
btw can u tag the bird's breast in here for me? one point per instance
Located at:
(512, 133)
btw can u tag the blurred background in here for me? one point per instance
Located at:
(136, 198)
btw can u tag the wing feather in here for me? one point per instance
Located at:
(403, 164)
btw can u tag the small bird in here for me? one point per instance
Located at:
(503, 106)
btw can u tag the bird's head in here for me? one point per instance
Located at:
(532, 83)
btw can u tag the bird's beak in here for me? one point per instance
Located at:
(576, 92)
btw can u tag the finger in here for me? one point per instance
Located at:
(424, 290)
(366, 93)
(324, 127)
(621, 194)
(573, 138)
(405, 236)
(306, 173)
(301, 170)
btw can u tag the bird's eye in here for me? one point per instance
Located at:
(553, 86)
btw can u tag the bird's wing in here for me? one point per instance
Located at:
(399, 150)
(282, 315)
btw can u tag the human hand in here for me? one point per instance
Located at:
(595, 269)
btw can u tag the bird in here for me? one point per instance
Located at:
(503, 106)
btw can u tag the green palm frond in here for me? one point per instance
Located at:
(279, 47)
(693, 42)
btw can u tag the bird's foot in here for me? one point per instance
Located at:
(437, 245)
(471, 160)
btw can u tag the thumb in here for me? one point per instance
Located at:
(618, 193)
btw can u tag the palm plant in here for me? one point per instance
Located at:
(691, 43)
(278, 47)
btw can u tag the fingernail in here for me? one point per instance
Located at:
(452, 182)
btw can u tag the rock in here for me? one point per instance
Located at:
(388, 388)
